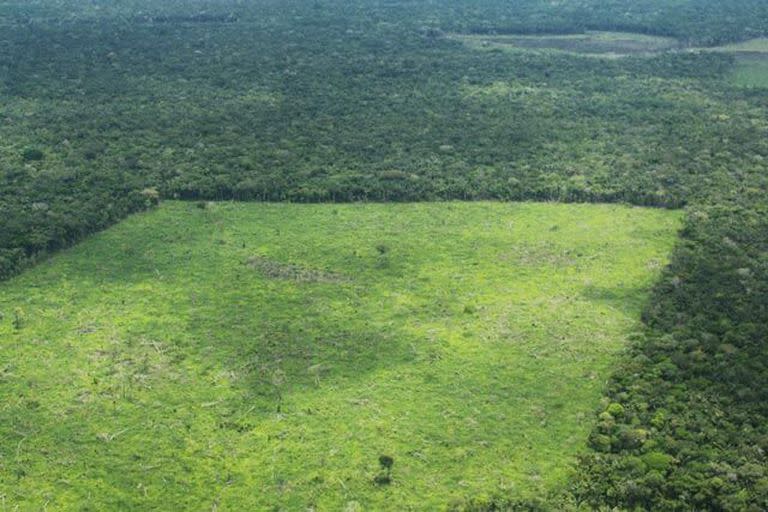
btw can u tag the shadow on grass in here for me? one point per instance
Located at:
(628, 300)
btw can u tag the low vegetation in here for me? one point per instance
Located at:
(751, 72)
(284, 356)
(599, 44)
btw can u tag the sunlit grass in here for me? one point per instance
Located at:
(259, 356)
(751, 72)
(601, 44)
(759, 45)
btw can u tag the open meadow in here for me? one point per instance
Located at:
(279, 356)
(592, 43)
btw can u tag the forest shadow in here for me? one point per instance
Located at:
(628, 300)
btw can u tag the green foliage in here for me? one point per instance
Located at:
(32, 155)
(386, 462)
(690, 382)
(365, 103)
(384, 477)
(19, 319)
(151, 197)
(658, 461)
(301, 101)
(615, 410)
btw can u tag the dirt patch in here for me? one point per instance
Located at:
(544, 254)
(276, 270)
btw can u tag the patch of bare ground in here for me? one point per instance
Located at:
(272, 269)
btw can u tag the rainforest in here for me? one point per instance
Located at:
(383, 255)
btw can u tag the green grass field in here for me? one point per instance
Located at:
(598, 44)
(751, 72)
(758, 45)
(264, 356)
(751, 69)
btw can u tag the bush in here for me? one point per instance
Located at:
(658, 461)
(32, 155)
(151, 197)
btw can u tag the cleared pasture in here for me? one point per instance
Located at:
(598, 44)
(266, 356)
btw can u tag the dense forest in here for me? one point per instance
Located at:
(106, 109)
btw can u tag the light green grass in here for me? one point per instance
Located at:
(751, 68)
(259, 357)
(759, 45)
(597, 44)
(751, 72)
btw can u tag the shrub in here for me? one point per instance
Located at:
(32, 155)
(658, 461)
(19, 319)
(615, 410)
(151, 197)
(385, 475)
(600, 442)
(386, 462)
(632, 438)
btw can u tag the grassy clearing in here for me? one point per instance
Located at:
(751, 72)
(600, 44)
(759, 45)
(751, 62)
(751, 68)
(258, 356)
